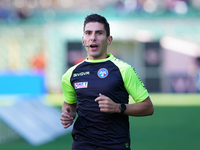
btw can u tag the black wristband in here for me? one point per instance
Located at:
(122, 106)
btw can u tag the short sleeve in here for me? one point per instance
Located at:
(134, 85)
(68, 89)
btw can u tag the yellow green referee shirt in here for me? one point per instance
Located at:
(111, 77)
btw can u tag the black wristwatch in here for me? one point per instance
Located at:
(122, 106)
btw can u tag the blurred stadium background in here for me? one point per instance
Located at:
(41, 39)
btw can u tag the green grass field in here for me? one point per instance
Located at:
(175, 125)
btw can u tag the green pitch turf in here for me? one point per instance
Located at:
(175, 125)
(157, 99)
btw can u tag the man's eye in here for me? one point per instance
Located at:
(100, 33)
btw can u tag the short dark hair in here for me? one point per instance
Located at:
(97, 18)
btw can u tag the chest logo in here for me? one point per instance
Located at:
(81, 74)
(102, 73)
(80, 85)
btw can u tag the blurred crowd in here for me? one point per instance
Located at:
(16, 10)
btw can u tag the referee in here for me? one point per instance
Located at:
(98, 90)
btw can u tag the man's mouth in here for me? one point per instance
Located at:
(93, 46)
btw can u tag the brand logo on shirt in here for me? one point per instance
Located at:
(102, 73)
(80, 85)
(81, 74)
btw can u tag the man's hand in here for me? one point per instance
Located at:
(66, 118)
(107, 105)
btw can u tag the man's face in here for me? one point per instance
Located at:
(95, 38)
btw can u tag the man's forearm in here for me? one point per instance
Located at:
(71, 110)
(144, 108)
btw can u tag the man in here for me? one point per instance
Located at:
(98, 90)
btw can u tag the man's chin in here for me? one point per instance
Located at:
(95, 55)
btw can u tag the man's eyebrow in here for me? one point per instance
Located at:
(99, 31)
(95, 31)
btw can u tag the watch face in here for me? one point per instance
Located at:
(123, 107)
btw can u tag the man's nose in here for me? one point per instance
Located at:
(93, 37)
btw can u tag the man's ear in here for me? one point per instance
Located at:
(83, 41)
(109, 40)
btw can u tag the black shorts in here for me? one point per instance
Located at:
(80, 143)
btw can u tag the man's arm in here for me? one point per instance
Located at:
(68, 114)
(143, 108)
